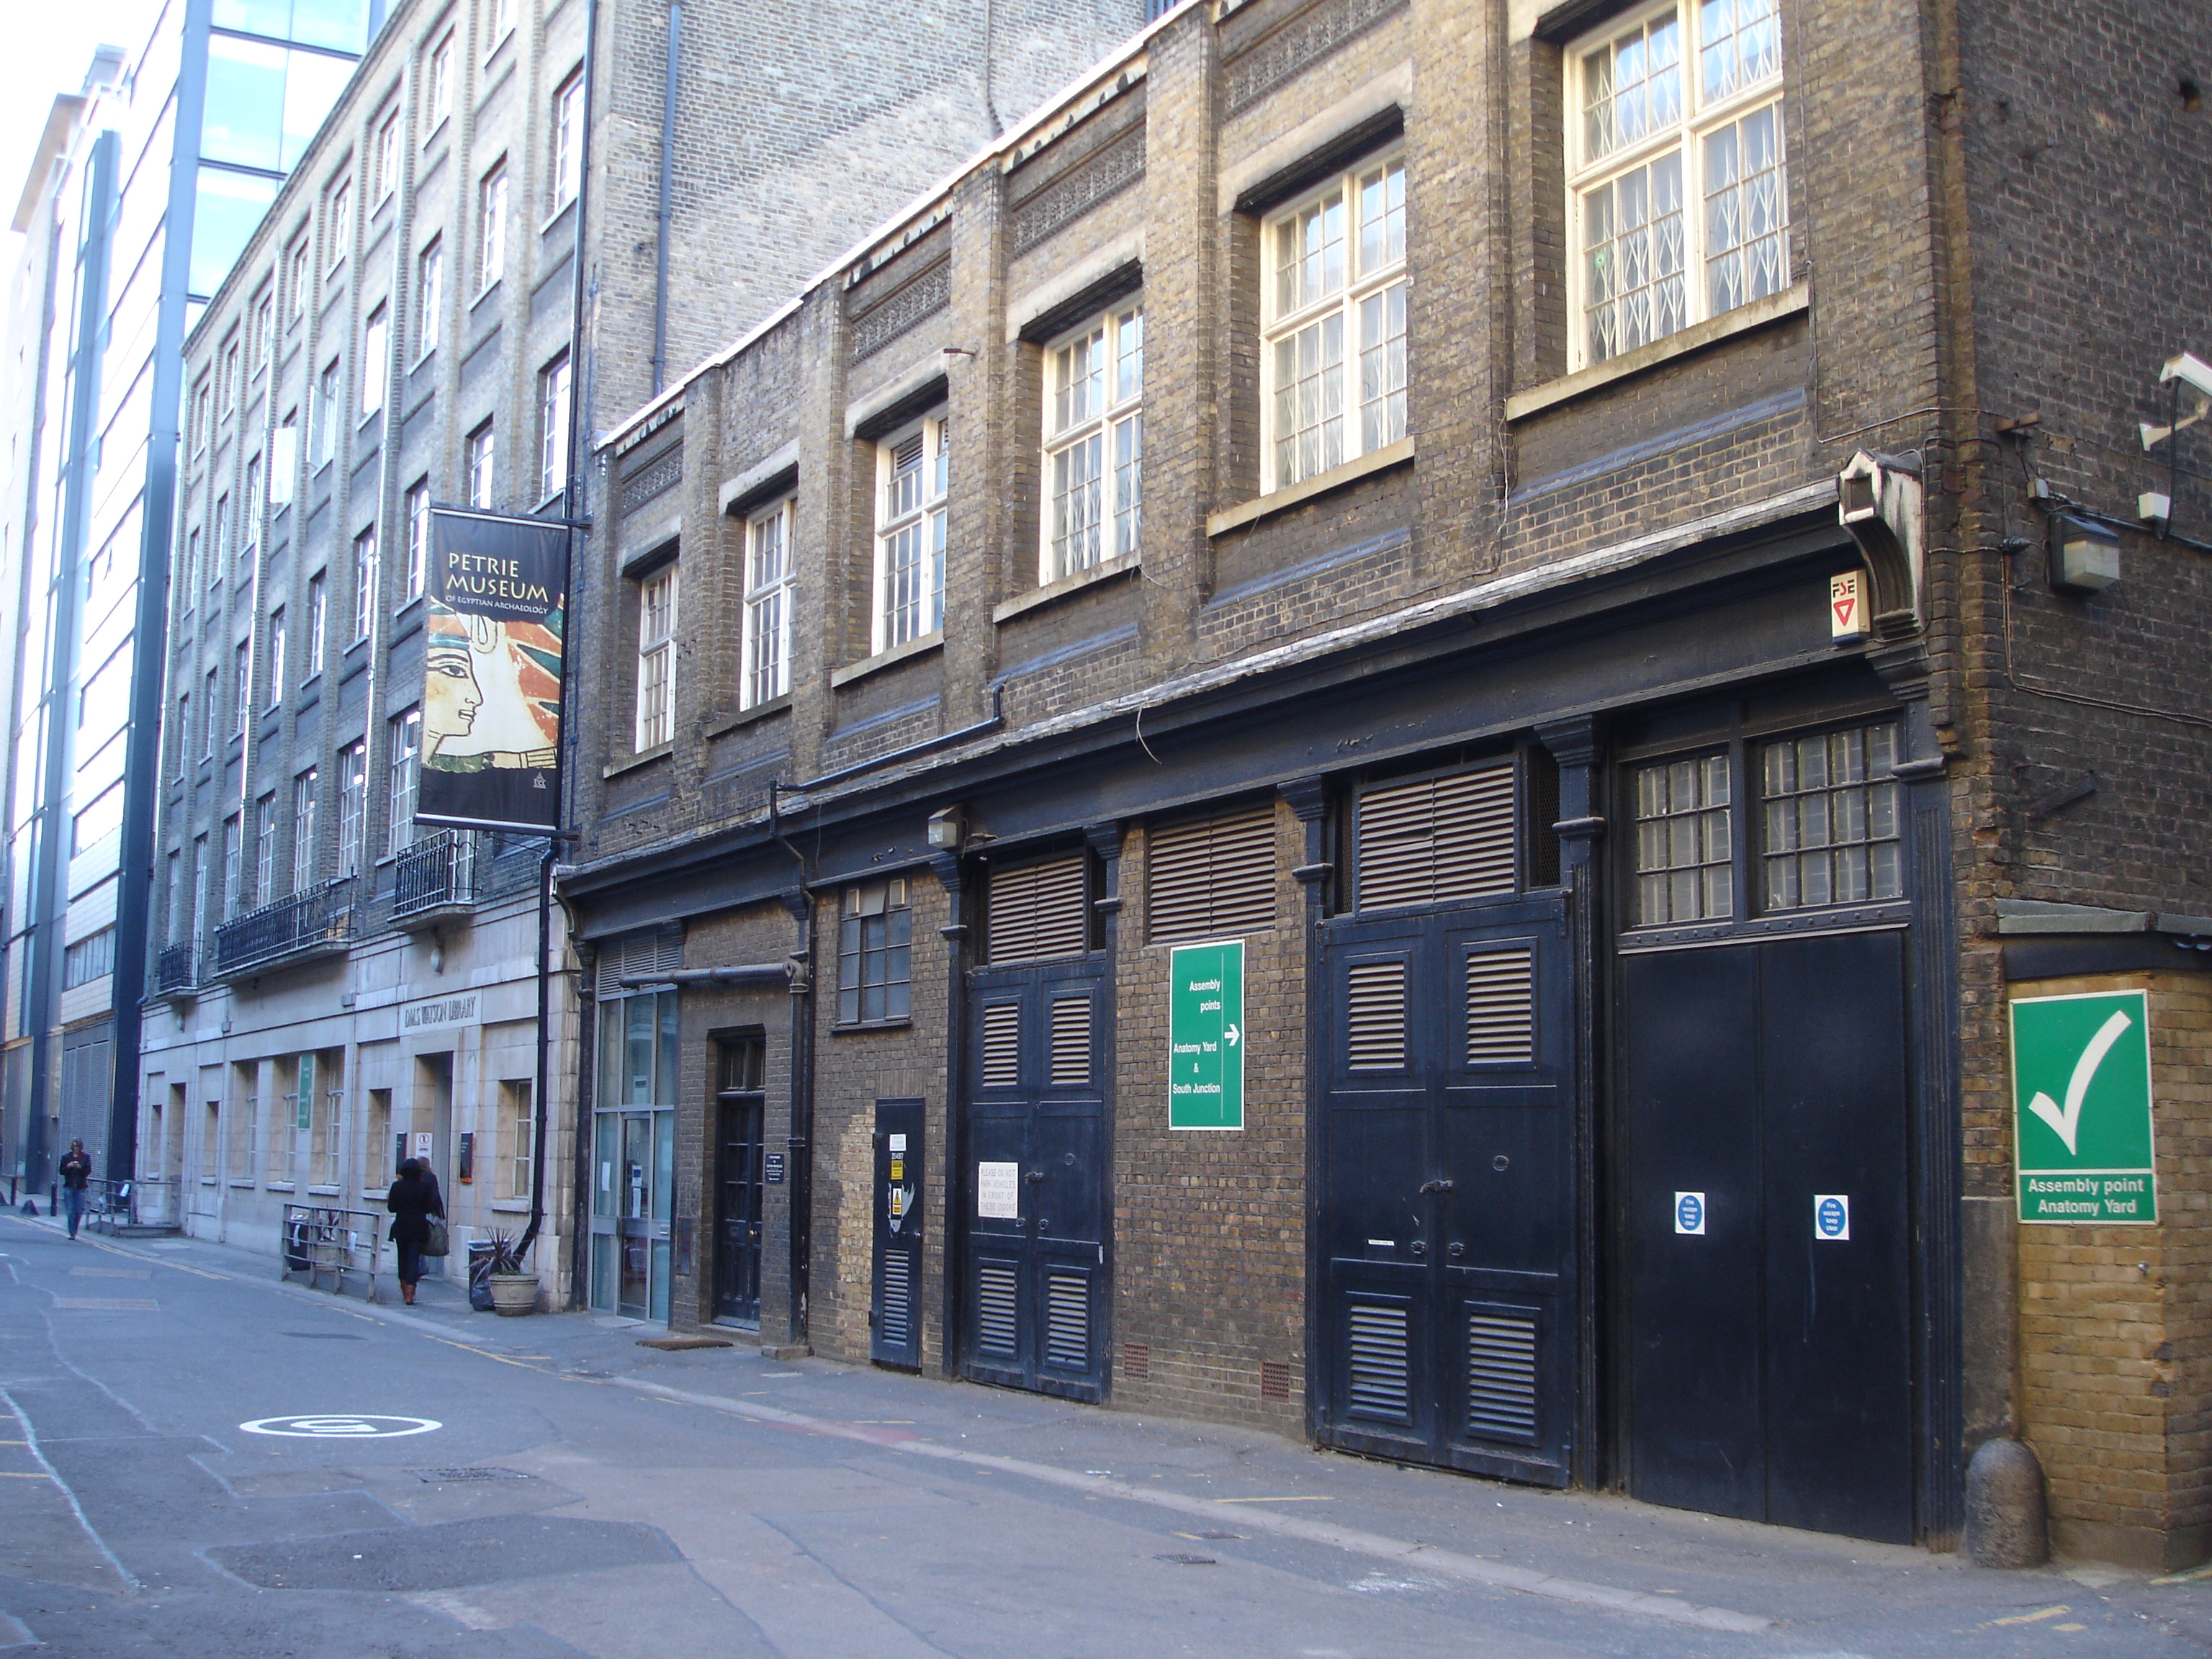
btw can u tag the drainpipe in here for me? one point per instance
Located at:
(800, 1141)
(667, 165)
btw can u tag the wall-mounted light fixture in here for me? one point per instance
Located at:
(2085, 557)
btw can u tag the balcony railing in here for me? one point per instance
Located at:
(174, 970)
(314, 922)
(438, 873)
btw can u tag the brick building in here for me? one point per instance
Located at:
(1366, 735)
(402, 329)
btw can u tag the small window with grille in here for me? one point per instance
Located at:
(875, 952)
(1830, 819)
(1685, 841)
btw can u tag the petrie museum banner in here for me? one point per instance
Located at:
(492, 671)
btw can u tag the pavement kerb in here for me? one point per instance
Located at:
(1403, 1551)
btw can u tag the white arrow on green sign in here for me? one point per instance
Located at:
(2081, 1100)
(1206, 1035)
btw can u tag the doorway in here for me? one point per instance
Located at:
(634, 1156)
(740, 1108)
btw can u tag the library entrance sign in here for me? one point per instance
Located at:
(1206, 1035)
(2080, 1084)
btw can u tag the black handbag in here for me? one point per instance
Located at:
(437, 1244)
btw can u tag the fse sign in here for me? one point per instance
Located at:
(1206, 1035)
(2081, 1101)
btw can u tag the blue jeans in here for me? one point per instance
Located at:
(73, 1207)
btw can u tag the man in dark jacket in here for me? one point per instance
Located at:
(76, 1173)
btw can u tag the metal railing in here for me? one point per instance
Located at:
(172, 970)
(305, 921)
(438, 871)
(318, 1240)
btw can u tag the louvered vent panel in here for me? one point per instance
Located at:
(1067, 1321)
(1375, 1017)
(996, 1288)
(1002, 1045)
(1212, 877)
(1437, 840)
(1501, 1378)
(897, 1320)
(1039, 910)
(1380, 1379)
(639, 956)
(1501, 1007)
(1071, 1042)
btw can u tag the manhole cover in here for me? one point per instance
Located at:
(444, 1477)
(1181, 1561)
(679, 1344)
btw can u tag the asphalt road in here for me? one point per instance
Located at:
(577, 1494)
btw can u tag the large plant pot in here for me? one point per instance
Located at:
(514, 1294)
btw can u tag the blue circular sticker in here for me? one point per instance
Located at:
(1690, 1213)
(1832, 1218)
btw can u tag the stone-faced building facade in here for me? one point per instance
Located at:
(339, 987)
(1365, 738)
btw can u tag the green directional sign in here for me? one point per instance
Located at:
(2080, 1084)
(1206, 1035)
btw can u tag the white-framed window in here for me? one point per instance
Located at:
(230, 871)
(303, 829)
(1333, 317)
(322, 416)
(207, 714)
(1094, 443)
(404, 754)
(190, 583)
(418, 539)
(913, 476)
(501, 24)
(519, 1123)
(249, 529)
(341, 238)
(385, 177)
(373, 364)
(203, 420)
(264, 850)
(364, 580)
(1678, 202)
(429, 295)
(284, 458)
(242, 673)
(553, 427)
(353, 806)
(297, 281)
(479, 464)
(771, 587)
(220, 549)
(276, 656)
(567, 140)
(656, 657)
(438, 91)
(491, 227)
(226, 379)
(318, 622)
(263, 340)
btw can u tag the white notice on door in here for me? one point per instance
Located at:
(999, 1191)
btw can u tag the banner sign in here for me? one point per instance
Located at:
(492, 671)
(2081, 1109)
(1206, 1035)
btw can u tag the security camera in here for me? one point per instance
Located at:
(2193, 372)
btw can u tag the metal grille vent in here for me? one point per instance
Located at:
(896, 1326)
(1501, 1378)
(1501, 1007)
(1375, 1017)
(1002, 1045)
(1067, 1321)
(1438, 839)
(1212, 877)
(1136, 1361)
(1380, 1371)
(994, 1309)
(1274, 1379)
(640, 955)
(1038, 910)
(1071, 1042)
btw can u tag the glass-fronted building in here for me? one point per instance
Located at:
(147, 183)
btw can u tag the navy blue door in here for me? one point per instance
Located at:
(1033, 1290)
(1767, 1231)
(1447, 1188)
(895, 1308)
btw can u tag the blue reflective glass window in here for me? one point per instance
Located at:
(342, 24)
(270, 17)
(244, 117)
(310, 88)
(228, 207)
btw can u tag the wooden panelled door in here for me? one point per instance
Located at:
(740, 1114)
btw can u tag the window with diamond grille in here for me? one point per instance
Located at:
(1829, 812)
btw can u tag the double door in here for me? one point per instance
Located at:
(1447, 1189)
(1766, 1219)
(1033, 1211)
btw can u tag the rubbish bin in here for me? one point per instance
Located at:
(480, 1274)
(298, 1233)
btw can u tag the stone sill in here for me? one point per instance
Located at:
(858, 1026)
(759, 711)
(1105, 571)
(643, 757)
(323, 1192)
(1306, 489)
(243, 1186)
(510, 1206)
(1788, 303)
(883, 660)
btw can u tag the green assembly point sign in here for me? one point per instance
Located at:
(2080, 1085)
(1206, 1035)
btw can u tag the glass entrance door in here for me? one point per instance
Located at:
(634, 1156)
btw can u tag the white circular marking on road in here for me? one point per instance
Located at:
(342, 1426)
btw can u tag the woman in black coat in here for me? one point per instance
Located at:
(412, 1200)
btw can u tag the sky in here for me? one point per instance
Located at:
(51, 44)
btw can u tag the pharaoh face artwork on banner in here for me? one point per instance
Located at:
(492, 671)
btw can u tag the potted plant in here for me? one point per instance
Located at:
(514, 1286)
